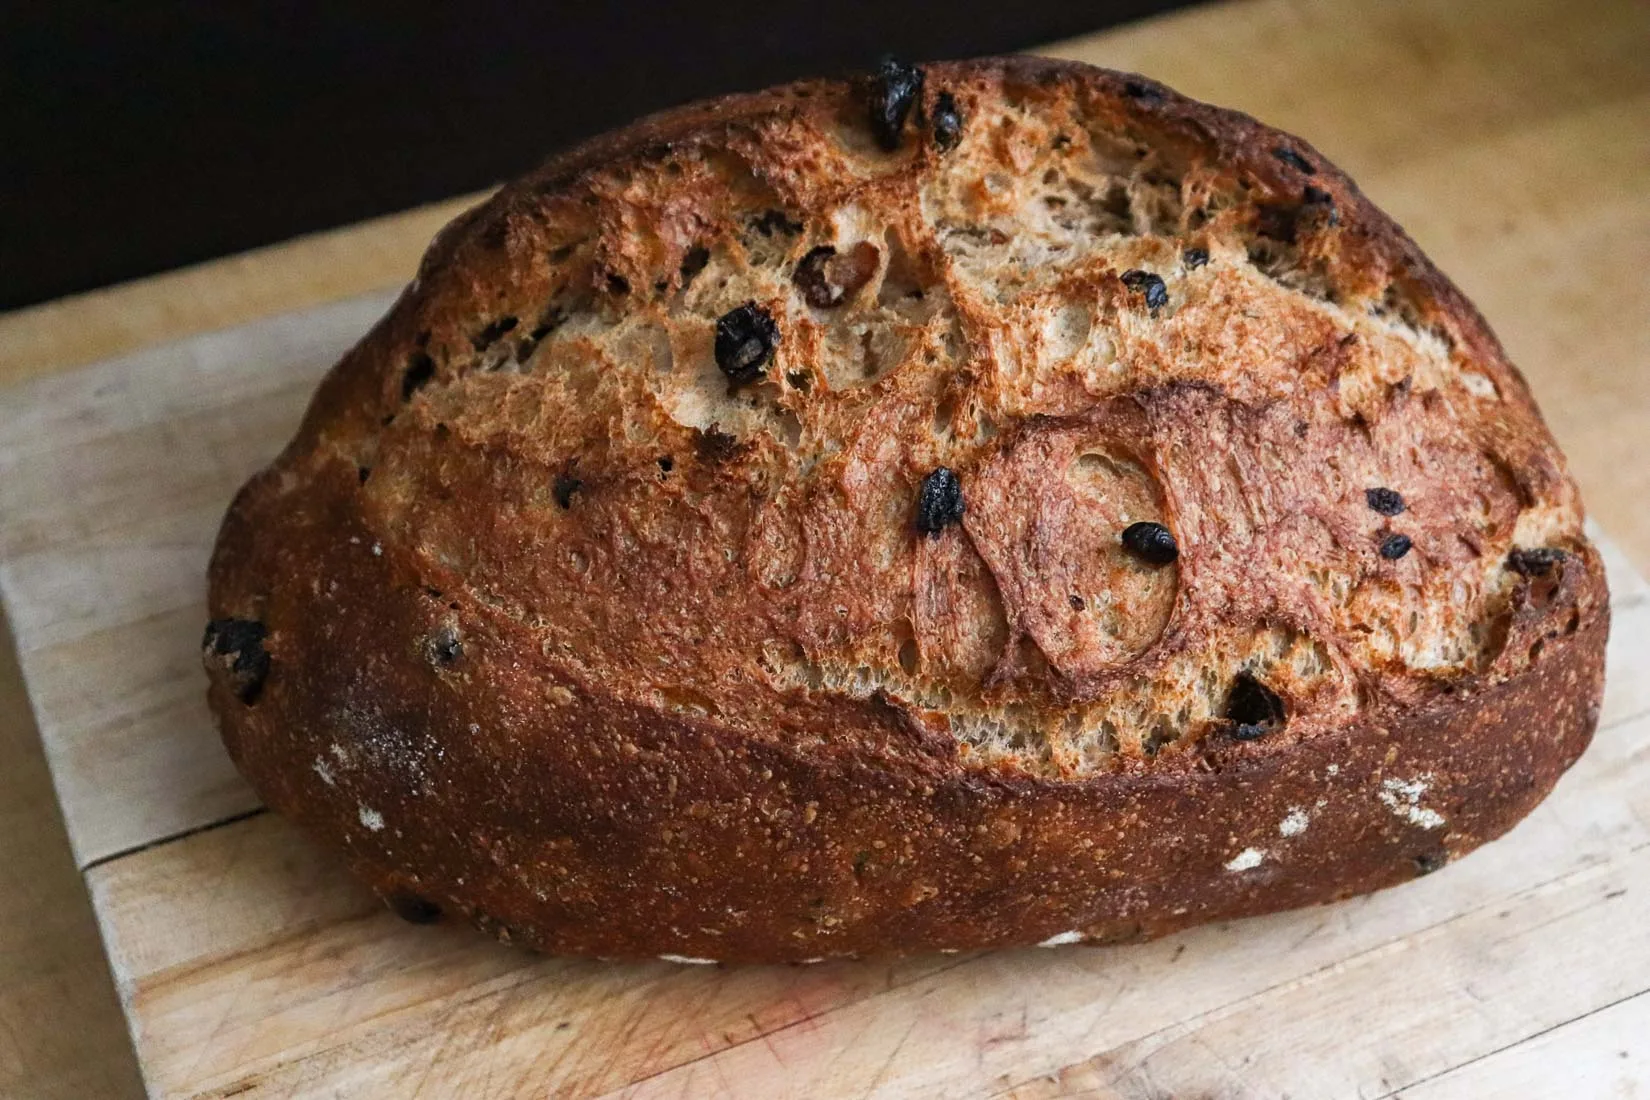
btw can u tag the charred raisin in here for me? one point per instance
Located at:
(895, 89)
(1394, 547)
(1151, 543)
(940, 502)
(1535, 562)
(1294, 160)
(420, 369)
(1144, 282)
(948, 122)
(1194, 258)
(1388, 502)
(238, 645)
(564, 488)
(745, 342)
(1253, 708)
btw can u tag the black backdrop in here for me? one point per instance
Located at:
(138, 137)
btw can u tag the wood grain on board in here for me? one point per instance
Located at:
(1509, 139)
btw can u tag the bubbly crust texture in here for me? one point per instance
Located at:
(621, 620)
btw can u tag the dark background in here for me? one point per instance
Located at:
(140, 137)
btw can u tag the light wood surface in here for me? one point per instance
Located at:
(1512, 139)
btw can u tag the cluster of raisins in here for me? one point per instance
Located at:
(1389, 502)
(895, 92)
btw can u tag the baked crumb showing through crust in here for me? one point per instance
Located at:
(1011, 414)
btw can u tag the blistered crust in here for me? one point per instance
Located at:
(574, 633)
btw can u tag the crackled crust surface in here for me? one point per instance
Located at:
(568, 634)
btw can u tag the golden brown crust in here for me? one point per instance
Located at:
(563, 631)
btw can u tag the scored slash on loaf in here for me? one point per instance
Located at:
(991, 503)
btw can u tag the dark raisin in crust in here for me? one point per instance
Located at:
(895, 89)
(1194, 258)
(1157, 295)
(1150, 542)
(1394, 547)
(1388, 502)
(746, 337)
(940, 502)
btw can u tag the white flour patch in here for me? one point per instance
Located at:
(1062, 939)
(1246, 860)
(372, 819)
(1295, 822)
(1403, 797)
(686, 960)
(323, 771)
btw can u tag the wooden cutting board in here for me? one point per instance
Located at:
(250, 965)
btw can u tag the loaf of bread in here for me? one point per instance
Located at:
(981, 504)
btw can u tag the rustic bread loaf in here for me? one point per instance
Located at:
(994, 503)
